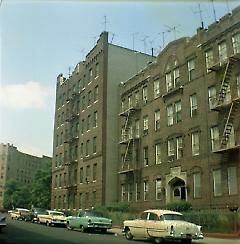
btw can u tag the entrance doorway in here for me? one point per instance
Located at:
(178, 189)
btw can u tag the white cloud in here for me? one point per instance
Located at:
(28, 95)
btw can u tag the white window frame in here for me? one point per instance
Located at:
(169, 81)
(176, 76)
(222, 52)
(171, 147)
(145, 190)
(193, 105)
(178, 111)
(209, 59)
(179, 142)
(212, 96)
(145, 94)
(145, 157)
(195, 143)
(170, 115)
(157, 119)
(232, 180)
(157, 153)
(156, 88)
(196, 185)
(217, 183)
(191, 69)
(236, 43)
(145, 124)
(215, 142)
(158, 187)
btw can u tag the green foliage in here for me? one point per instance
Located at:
(41, 189)
(16, 195)
(19, 195)
(179, 206)
(115, 207)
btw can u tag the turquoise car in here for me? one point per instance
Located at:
(89, 220)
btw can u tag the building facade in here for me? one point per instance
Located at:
(18, 166)
(85, 149)
(179, 133)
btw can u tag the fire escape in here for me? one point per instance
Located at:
(228, 108)
(130, 141)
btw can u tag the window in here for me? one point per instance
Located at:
(179, 147)
(178, 111)
(156, 88)
(145, 125)
(227, 98)
(87, 147)
(157, 153)
(236, 43)
(231, 139)
(217, 183)
(94, 172)
(95, 118)
(83, 103)
(137, 188)
(145, 190)
(158, 184)
(238, 85)
(196, 185)
(95, 94)
(193, 105)
(171, 149)
(130, 192)
(130, 104)
(222, 51)
(209, 59)
(145, 156)
(232, 181)
(176, 77)
(170, 115)
(94, 144)
(89, 98)
(145, 94)
(214, 133)
(191, 69)
(136, 97)
(81, 150)
(157, 120)
(90, 75)
(123, 192)
(137, 128)
(88, 122)
(195, 143)
(81, 175)
(97, 70)
(169, 81)
(212, 97)
(88, 173)
(82, 126)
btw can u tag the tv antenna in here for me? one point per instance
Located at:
(145, 43)
(113, 35)
(228, 8)
(95, 39)
(105, 22)
(163, 37)
(173, 30)
(200, 11)
(133, 36)
(69, 71)
(214, 11)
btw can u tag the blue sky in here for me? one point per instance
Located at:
(40, 39)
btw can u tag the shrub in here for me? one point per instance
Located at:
(180, 206)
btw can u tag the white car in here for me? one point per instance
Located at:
(158, 225)
(51, 218)
(18, 213)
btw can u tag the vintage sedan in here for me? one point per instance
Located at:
(2, 221)
(159, 225)
(51, 218)
(33, 214)
(19, 213)
(89, 220)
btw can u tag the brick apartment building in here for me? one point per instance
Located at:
(85, 150)
(18, 166)
(179, 133)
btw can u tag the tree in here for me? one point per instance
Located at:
(41, 189)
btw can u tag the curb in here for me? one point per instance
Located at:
(223, 235)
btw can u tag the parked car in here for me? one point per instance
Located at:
(51, 218)
(19, 213)
(89, 220)
(33, 214)
(158, 225)
(2, 221)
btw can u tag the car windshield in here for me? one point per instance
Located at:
(93, 214)
(39, 210)
(173, 217)
(56, 213)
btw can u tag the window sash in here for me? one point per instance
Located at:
(195, 143)
(222, 51)
(145, 156)
(215, 142)
(158, 185)
(145, 190)
(236, 43)
(217, 183)
(170, 114)
(193, 105)
(157, 120)
(232, 181)
(179, 147)
(171, 149)
(209, 59)
(169, 81)
(157, 153)
(212, 97)
(156, 87)
(145, 123)
(144, 94)
(178, 109)
(176, 76)
(197, 185)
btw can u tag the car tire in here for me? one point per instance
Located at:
(186, 241)
(82, 229)
(103, 231)
(128, 234)
(158, 240)
(69, 227)
(47, 223)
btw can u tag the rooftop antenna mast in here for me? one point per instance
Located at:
(145, 43)
(105, 22)
(133, 35)
(200, 11)
(69, 71)
(152, 49)
(228, 8)
(174, 30)
(163, 37)
(113, 34)
(82, 52)
(214, 11)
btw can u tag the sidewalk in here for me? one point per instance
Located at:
(118, 231)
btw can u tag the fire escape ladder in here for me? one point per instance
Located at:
(225, 81)
(127, 151)
(228, 125)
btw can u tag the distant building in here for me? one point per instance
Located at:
(18, 166)
(179, 123)
(85, 150)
